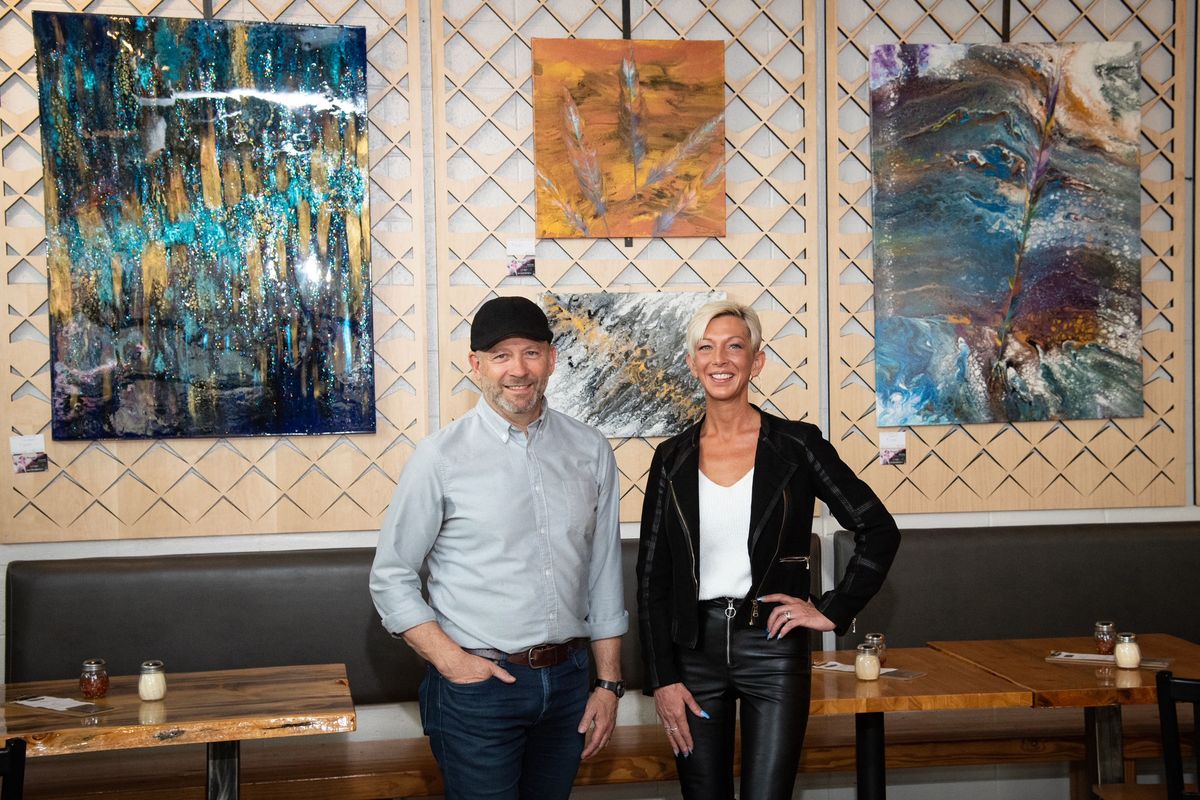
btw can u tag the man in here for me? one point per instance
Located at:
(513, 511)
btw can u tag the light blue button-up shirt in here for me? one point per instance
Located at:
(519, 532)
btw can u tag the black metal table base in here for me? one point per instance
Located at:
(1104, 746)
(868, 751)
(223, 769)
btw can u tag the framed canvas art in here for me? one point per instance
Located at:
(621, 360)
(1007, 249)
(207, 226)
(629, 137)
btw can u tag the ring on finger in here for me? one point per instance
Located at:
(671, 729)
(787, 614)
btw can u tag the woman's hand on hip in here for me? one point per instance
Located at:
(672, 702)
(792, 613)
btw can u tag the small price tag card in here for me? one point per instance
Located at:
(520, 256)
(892, 448)
(28, 453)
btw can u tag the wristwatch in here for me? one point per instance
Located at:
(616, 687)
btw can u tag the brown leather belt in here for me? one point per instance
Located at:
(537, 657)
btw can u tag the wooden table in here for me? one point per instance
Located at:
(1100, 691)
(219, 708)
(947, 683)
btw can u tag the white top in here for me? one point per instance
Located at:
(725, 537)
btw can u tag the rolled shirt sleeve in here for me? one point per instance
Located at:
(410, 527)
(607, 616)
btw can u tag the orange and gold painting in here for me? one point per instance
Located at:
(629, 137)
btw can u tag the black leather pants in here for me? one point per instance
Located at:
(772, 680)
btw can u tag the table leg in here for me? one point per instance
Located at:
(1105, 749)
(868, 750)
(223, 778)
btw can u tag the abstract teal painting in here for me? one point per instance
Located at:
(207, 226)
(1006, 232)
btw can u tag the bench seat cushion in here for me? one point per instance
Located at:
(203, 612)
(1034, 581)
(228, 610)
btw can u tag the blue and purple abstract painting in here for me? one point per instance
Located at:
(1006, 232)
(207, 226)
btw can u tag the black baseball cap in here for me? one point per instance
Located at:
(502, 317)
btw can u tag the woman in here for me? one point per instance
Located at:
(723, 579)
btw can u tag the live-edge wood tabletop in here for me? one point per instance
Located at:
(947, 683)
(199, 707)
(1057, 685)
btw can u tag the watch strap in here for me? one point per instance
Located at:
(616, 687)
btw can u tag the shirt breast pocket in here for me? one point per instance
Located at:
(580, 497)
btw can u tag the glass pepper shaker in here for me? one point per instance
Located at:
(93, 679)
(152, 683)
(1127, 651)
(880, 643)
(1106, 637)
(866, 663)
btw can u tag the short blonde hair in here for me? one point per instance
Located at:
(723, 308)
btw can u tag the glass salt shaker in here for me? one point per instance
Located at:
(1106, 637)
(880, 643)
(152, 683)
(1127, 651)
(866, 663)
(93, 679)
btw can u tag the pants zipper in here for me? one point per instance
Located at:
(730, 613)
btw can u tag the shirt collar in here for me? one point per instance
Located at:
(502, 428)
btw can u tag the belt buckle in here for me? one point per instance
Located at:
(536, 653)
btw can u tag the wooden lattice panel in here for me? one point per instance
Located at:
(484, 155)
(118, 489)
(1076, 464)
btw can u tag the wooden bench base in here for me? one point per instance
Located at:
(325, 767)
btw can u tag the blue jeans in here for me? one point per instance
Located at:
(500, 741)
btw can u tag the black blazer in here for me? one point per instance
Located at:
(793, 466)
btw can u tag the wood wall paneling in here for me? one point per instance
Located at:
(483, 175)
(483, 148)
(177, 487)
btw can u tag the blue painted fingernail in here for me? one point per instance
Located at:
(704, 714)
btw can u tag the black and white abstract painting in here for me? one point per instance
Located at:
(621, 360)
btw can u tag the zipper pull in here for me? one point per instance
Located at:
(753, 611)
(730, 611)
